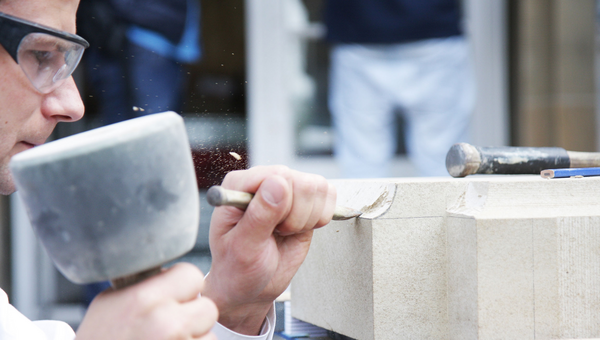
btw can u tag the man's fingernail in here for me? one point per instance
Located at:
(272, 191)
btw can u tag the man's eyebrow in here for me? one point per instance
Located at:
(49, 41)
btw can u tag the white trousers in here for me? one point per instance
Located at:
(430, 82)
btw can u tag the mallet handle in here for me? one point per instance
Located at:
(125, 281)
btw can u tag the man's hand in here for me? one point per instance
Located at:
(162, 307)
(255, 253)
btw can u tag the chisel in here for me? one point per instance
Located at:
(218, 196)
(465, 159)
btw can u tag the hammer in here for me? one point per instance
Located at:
(465, 159)
(113, 203)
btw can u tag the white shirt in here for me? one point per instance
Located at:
(266, 333)
(15, 326)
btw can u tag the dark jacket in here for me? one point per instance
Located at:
(166, 17)
(104, 23)
(391, 21)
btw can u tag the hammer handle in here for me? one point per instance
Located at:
(465, 159)
(218, 196)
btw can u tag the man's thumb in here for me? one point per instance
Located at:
(266, 209)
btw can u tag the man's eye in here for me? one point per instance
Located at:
(42, 57)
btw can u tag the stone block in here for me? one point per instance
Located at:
(483, 257)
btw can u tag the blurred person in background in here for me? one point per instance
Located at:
(255, 253)
(391, 56)
(139, 48)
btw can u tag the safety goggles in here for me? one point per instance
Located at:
(47, 56)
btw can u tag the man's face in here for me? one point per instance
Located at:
(27, 117)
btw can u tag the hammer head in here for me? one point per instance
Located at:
(113, 201)
(462, 159)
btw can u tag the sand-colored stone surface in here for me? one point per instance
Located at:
(483, 257)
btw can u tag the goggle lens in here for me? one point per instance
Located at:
(48, 60)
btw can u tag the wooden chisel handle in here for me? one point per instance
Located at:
(465, 159)
(218, 196)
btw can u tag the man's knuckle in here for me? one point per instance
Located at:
(143, 297)
(167, 325)
(305, 187)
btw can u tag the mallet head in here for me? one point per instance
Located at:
(113, 201)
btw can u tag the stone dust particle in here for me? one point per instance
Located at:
(235, 155)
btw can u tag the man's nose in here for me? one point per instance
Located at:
(64, 103)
